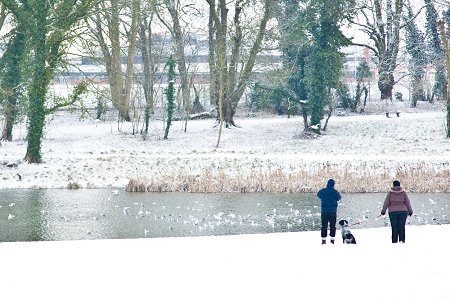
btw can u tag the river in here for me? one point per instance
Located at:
(55, 215)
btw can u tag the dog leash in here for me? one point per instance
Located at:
(379, 217)
(359, 222)
(353, 224)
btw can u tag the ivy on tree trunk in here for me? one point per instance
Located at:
(11, 65)
(170, 93)
(47, 24)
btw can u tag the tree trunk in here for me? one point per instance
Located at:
(46, 42)
(135, 8)
(11, 80)
(386, 85)
(178, 36)
(213, 72)
(147, 61)
(38, 89)
(235, 84)
(447, 64)
(386, 38)
(418, 91)
(117, 88)
(441, 83)
(111, 51)
(244, 77)
(170, 93)
(2, 15)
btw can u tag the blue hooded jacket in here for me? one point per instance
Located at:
(328, 198)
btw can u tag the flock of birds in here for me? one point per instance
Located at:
(156, 219)
(200, 218)
(202, 221)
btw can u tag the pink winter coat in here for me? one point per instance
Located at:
(397, 200)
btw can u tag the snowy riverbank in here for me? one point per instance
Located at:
(270, 266)
(363, 153)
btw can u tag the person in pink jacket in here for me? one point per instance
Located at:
(399, 207)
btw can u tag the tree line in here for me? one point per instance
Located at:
(41, 35)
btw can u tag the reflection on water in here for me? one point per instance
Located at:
(32, 215)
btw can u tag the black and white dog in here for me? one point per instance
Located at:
(347, 236)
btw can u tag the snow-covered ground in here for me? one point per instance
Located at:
(363, 154)
(270, 266)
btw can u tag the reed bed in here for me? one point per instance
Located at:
(350, 178)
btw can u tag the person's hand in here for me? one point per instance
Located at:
(382, 213)
(410, 214)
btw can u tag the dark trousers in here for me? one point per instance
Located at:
(328, 218)
(398, 220)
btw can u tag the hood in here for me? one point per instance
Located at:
(330, 183)
(397, 189)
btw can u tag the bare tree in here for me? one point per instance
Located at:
(382, 26)
(232, 69)
(146, 47)
(111, 39)
(174, 8)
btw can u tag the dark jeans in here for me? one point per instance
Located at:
(398, 220)
(331, 219)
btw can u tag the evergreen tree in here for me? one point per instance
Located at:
(324, 64)
(418, 56)
(312, 62)
(436, 51)
(362, 73)
(288, 92)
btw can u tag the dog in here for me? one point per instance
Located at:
(347, 236)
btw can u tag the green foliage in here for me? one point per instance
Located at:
(344, 99)
(432, 29)
(325, 63)
(276, 98)
(47, 25)
(11, 65)
(311, 57)
(101, 108)
(415, 46)
(435, 51)
(363, 71)
(170, 93)
(344, 96)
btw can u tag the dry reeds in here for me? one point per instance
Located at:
(72, 185)
(361, 177)
(136, 185)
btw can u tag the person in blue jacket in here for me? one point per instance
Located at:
(329, 198)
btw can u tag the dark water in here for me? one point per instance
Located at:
(35, 215)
